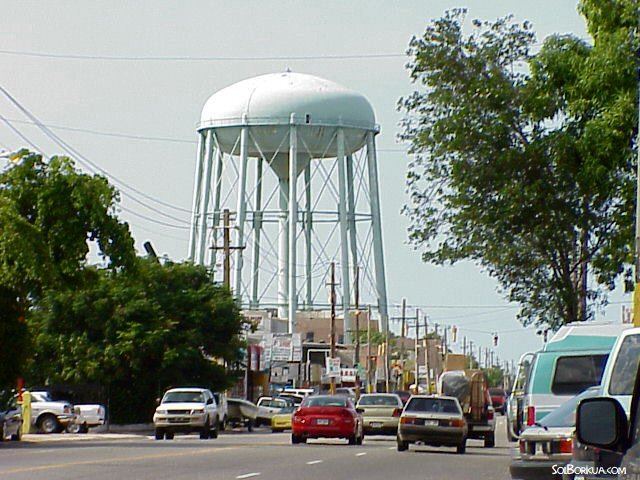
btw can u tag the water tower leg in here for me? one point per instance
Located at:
(308, 225)
(241, 209)
(217, 185)
(283, 249)
(374, 194)
(257, 230)
(205, 197)
(351, 214)
(293, 224)
(197, 194)
(344, 244)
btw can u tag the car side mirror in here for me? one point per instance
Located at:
(360, 410)
(209, 401)
(602, 423)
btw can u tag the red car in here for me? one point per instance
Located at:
(327, 416)
(498, 399)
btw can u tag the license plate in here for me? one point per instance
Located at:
(431, 422)
(376, 425)
(177, 420)
(322, 421)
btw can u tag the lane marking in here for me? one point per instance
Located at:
(314, 462)
(360, 454)
(249, 475)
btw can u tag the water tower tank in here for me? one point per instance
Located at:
(302, 126)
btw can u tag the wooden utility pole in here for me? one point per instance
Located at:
(356, 294)
(226, 248)
(333, 323)
(386, 357)
(404, 319)
(417, 372)
(369, 389)
(426, 352)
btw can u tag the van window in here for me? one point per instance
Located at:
(577, 373)
(626, 363)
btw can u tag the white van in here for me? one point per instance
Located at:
(619, 374)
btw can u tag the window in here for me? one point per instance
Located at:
(575, 374)
(622, 375)
(325, 402)
(435, 405)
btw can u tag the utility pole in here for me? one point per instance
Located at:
(471, 353)
(369, 389)
(464, 346)
(333, 323)
(404, 312)
(356, 294)
(226, 248)
(417, 372)
(386, 357)
(426, 353)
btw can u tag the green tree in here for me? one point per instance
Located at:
(49, 213)
(524, 163)
(137, 334)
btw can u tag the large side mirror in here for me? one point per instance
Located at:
(360, 410)
(602, 423)
(209, 401)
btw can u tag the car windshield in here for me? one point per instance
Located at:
(380, 400)
(41, 397)
(325, 402)
(565, 414)
(183, 397)
(288, 409)
(435, 405)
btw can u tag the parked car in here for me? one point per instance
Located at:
(549, 442)
(380, 413)
(87, 416)
(282, 420)
(223, 411)
(186, 409)
(327, 416)
(432, 420)
(10, 417)
(602, 423)
(515, 402)
(49, 416)
(498, 399)
(268, 406)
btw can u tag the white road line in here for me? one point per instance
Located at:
(392, 448)
(249, 475)
(360, 454)
(313, 462)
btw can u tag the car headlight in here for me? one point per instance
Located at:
(197, 411)
(161, 411)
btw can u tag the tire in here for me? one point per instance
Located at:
(48, 423)
(250, 425)
(223, 424)
(77, 428)
(159, 433)
(3, 429)
(169, 435)
(462, 447)
(213, 433)
(352, 440)
(276, 430)
(402, 446)
(204, 432)
(359, 439)
(16, 437)
(490, 441)
(297, 439)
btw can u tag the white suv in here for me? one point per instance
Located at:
(186, 409)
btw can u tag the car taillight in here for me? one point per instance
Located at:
(521, 446)
(531, 416)
(490, 415)
(396, 412)
(408, 420)
(566, 445)
(457, 422)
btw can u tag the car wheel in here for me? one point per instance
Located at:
(295, 439)
(204, 432)
(275, 430)
(352, 440)
(250, 425)
(462, 447)
(359, 439)
(213, 433)
(3, 429)
(490, 441)
(77, 428)
(223, 424)
(159, 433)
(402, 446)
(16, 437)
(48, 423)
(169, 435)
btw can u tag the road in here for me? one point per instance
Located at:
(239, 455)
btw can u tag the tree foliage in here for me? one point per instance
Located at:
(49, 212)
(137, 335)
(524, 162)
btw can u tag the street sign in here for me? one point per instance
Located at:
(333, 367)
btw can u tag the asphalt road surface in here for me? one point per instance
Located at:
(238, 455)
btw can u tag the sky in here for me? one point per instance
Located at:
(123, 84)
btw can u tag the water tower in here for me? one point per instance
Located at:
(293, 158)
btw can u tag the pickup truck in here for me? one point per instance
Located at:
(49, 416)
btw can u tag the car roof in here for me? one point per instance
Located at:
(187, 389)
(437, 397)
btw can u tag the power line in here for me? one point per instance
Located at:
(187, 58)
